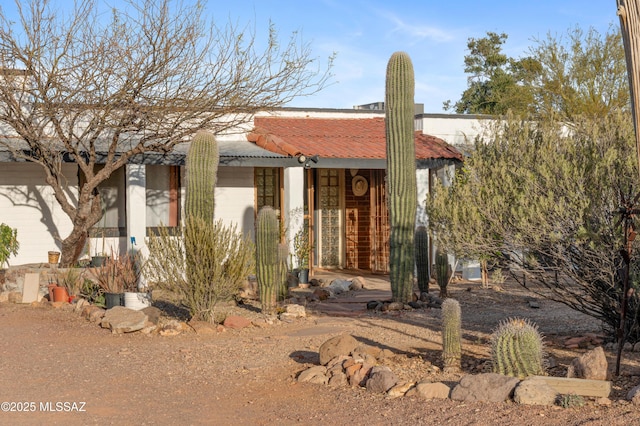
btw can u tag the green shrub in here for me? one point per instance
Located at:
(8, 243)
(217, 258)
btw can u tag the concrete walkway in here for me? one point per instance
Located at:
(352, 303)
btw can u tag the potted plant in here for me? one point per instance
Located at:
(302, 250)
(71, 279)
(136, 294)
(109, 277)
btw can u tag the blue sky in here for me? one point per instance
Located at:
(364, 34)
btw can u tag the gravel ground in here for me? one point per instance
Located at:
(65, 370)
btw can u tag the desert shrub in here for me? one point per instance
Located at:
(204, 263)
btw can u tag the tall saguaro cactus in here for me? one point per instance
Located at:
(202, 170)
(267, 258)
(401, 170)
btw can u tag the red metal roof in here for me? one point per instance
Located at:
(338, 138)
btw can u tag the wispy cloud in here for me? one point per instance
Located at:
(416, 32)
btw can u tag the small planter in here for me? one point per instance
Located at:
(303, 276)
(97, 261)
(54, 257)
(51, 287)
(113, 299)
(137, 300)
(60, 294)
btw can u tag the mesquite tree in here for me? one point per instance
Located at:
(401, 170)
(101, 86)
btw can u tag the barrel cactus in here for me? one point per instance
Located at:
(451, 335)
(517, 349)
(443, 272)
(201, 169)
(401, 173)
(267, 258)
(422, 258)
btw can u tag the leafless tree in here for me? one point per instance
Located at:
(93, 87)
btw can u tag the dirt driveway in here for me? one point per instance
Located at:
(65, 370)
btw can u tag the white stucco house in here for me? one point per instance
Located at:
(321, 168)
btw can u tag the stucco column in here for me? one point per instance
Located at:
(136, 204)
(422, 183)
(294, 193)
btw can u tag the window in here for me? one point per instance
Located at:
(267, 181)
(163, 195)
(114, 218)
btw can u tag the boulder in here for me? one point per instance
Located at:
(123, 320)
(336, 346)
(236, 322)
(315, 374)
(381, 379)
(358, 283)
(429, 390)
(534, 391)
(486, 387)
(591, 365)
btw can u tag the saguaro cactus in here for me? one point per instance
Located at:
(451, 332)
(283, 271)
(422, 258)
(267, 258)
(202, 169)
(443, 272)
(517, 349)
(401, 170)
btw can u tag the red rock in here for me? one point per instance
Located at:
(236, 322)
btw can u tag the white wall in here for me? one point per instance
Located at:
(456, 129)
(234, 198)
(28, 204)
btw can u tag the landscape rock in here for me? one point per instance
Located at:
(381, 379)
(428, 390)
(360, 376)
(591, 365)
(296, 311)
(336, 346)
(486, 387)
(93, 313)
(533, 391)
(123, 320)
(358, 283)
(236, 322)
(315, 374)
(634, 395)
(396, 306)
(203, 327)
(338, 379)
(322, 293)
(400, 389)
(153, 314)
(339, 286)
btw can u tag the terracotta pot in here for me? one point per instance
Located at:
(51, 287)
(60, 294)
